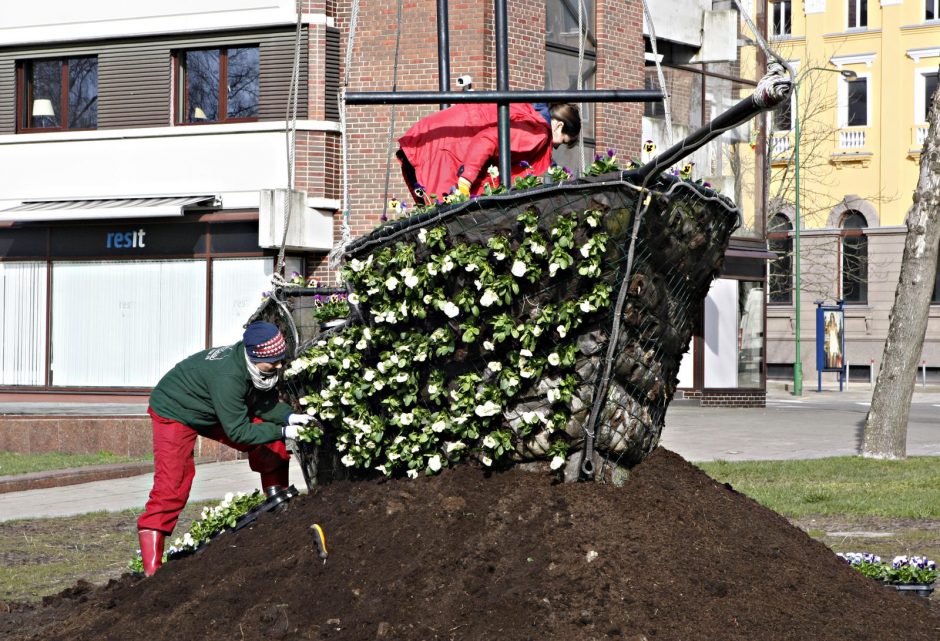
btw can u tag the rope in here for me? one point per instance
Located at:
(661, 78)
(392, 113)
(581, 73)
(290, 134)
(346, 236)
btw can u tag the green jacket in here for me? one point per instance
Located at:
(213, 387)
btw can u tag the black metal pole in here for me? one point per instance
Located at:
(443, 48)
(526, 95)
(502, 84)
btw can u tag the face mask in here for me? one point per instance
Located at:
(261, 380)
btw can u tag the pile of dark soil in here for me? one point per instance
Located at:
(671, 555)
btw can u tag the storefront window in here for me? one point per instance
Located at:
(237, 286)
(22, 323)
(125, 323)
(750, 333)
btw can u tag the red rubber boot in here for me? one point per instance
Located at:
(151, 550)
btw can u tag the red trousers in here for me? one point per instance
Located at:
(174, 469)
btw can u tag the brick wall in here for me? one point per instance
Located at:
(733, 398)
(619, 66)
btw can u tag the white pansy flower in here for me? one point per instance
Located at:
(406, 418)
(494, 366)
(447, 265)
(525, 352)
(382, 469)
(488, 408)
(536, 248)
(451, 310)
(367, 334)
(586, 306)
(553, 395)
(423, 236)
(347, 460)
(346, 363)
(390, 318)
(427, 299)
(537, 331)
(561, 330)
(486, 460)
(489, 442)
(432, 269)
(339, 340)
(432, 389)
(401, 377)
(519, 269)
(362, 344)
(470, 267)
(357, 265)
(553, 268)
(556, 463)
(412, 474)
(393, 359)
(434, 463)
(409, 275)
(499, 255)
(454, 446)
(554, 359)
(353, 298)
(586, 249)
(488, 298)
(378, 385)
(530, 417)
(391, 283)
(525, 372)
(381, 366)
(438, 426)
(488, 346)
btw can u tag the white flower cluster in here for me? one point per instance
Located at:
(382, 392)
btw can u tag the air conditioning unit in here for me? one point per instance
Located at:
(309, 229)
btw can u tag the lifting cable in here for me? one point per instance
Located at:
(580, 85)
(346, 236)
(290, 134)
(660, 77)
(392, 113)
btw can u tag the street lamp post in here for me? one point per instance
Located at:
(798, 360)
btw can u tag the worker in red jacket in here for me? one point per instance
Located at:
(453, 148)
(226, 394)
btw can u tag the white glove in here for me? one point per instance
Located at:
(290, 431)
(298, 419)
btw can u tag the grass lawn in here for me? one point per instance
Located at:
(12, 463)
(845, 486)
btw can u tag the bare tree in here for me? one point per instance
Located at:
(886, 424)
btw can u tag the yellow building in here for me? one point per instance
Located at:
(865, 72)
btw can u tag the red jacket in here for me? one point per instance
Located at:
(465, 135)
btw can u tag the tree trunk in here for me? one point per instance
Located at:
(886, 424)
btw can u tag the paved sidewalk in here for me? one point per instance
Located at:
(815, 425)
(213, 481)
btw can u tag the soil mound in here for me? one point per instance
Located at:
(671, 555)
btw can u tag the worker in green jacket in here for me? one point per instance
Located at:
(227, 394)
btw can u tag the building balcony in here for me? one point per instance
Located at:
(852, 138)
(919, 136)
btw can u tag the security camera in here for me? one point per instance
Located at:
(466, 82)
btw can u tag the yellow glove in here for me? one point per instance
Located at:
(463, 186)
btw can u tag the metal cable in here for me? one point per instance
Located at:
(392, 111)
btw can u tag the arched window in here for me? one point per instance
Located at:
(854, 258)
(780, 270)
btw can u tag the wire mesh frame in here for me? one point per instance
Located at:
(675, 255)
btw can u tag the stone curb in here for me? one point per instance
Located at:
(73, 476)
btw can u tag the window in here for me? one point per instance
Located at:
(783, 116)
(58, 93)
(780, 270)
(857, 113)
(854, 258)
(561, 66)
(218, 85)
(930, 87)
(858, 14)
(782, 12)
(931, 9)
